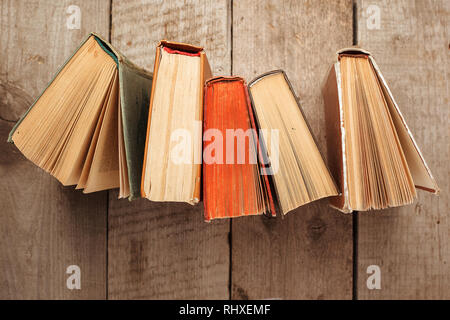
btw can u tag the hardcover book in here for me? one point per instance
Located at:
(372, 152)
(234, 184)
(294, 165)
(172, 161)
(88, 126)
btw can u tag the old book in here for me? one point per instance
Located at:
(234, 184)
(172, 161)
(88, 126)
(372, 152)
(295, 166)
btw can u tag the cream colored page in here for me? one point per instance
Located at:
(377, 172)
(75, 151)
(419, 171)
(351, 122)
(104, 171)
(169, 172)
(90, 155)
(302, 175)
(57, 131)
(50, 119)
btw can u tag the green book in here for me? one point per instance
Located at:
(88, 127)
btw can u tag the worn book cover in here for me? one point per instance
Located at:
(296, 169)
(131, 99)
(360, 113)
(234, 183)
(176, 105)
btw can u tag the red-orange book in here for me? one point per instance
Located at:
(233, 183)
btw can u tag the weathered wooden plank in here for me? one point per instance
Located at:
(44, 227)
(165, 250)
(308, 254)
(137, 29)
(411, 244)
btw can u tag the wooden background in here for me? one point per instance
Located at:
(147, 250)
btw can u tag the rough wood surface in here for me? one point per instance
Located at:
(411, 244)
(161, 250)
(44, 227)
(308, 254)
(138, 27)
(166, 250)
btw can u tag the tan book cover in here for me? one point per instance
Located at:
(186, 51)
(111, 153)
(340, 85)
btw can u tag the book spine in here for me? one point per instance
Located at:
(198, 167)
(259, 149)
(334, 118)
(155, 77)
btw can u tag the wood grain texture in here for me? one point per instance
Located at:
(44, 227)
(166, 250)
(163, 251)
(138, 27)
(411, 244)
(307, 255)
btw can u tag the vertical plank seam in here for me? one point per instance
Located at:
(107, 248)
(355, 23)
(107, 192)
(355, 255)
(110, 20)
(355, 214)
(230, 275)
(230, 234)
(231, 37)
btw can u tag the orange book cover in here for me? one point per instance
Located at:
(234, 183)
